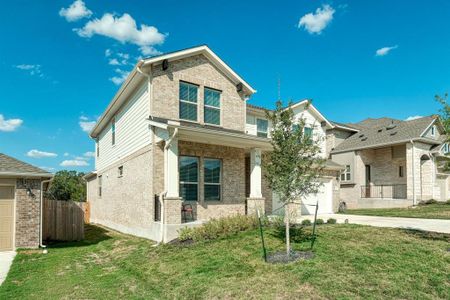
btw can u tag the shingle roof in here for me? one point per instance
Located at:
(383, 131)
(10, 165)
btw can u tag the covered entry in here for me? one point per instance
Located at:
(6, 218)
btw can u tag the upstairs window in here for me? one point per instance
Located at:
(113, 131)
(446, 148)
(262, 127)
(308, 132)
(212, 173)
(345, 174)
(212, 106)
(188, 101)
(433, 130)
(189, 178)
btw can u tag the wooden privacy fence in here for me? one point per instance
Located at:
(63, 220)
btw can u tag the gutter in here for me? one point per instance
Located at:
(41, 215)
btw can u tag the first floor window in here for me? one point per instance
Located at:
(100, 185)
(262, 127)
(212, 173)
(400, 171)
(345, 175)
(189, 178)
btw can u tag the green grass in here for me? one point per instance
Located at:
(351, 262)
(429, 211)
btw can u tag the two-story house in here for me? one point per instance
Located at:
(389, 162)
(179, 145)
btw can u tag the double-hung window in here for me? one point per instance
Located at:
(189, 178)
(262, 127)
(212, 106)
(308, 132)
(213, 176)
(346, 174)
(188, 101)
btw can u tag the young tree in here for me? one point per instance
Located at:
(68, 185)
(445, 119)
(294, 165)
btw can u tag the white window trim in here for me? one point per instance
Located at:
(212, 183)
(257, 131)
(346, 172)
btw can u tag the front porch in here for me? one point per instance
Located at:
(206, 177)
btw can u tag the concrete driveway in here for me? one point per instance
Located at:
(435, 225)
(6, 259)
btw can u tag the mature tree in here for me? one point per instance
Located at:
(294, 165)
(68, 185)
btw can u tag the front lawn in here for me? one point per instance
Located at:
(428, 211)
(351, 262)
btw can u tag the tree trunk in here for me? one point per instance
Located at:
(288, 246)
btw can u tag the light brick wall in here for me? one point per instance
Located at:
(421, 181)
(233, 180)
(197, 70)
(28, 213)
(127, 202)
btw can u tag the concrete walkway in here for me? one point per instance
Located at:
(6, 259)
(435, 225)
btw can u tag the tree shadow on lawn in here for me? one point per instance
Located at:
(92, 235)
(428, 235)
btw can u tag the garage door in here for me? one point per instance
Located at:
(6, 218)
(324, 196)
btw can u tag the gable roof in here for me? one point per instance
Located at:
(132, 79)
(386, 131)
(14, 167)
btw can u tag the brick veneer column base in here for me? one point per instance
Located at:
(172, 210)
(255, 203)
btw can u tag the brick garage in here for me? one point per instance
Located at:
(20, 203)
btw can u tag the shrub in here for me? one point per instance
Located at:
(319, 222)
(306, 222)
(218, 228)
(277, 221)
(427, 202)
(331, 221)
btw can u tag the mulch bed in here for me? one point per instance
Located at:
(178, 242)
(282, 258)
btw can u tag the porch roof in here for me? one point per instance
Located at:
(208, 134)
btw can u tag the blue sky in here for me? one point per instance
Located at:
(61, 61)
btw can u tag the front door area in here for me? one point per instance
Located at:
(6, 218)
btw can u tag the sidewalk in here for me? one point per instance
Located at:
(434, 225)
(6, 259)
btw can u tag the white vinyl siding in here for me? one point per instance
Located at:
(311, 121)
(133, 133)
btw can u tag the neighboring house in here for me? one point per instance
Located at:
(390, 163)
(179, 132)
(20, 203)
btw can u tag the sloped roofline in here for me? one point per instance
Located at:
(314, 109)
(117, 100)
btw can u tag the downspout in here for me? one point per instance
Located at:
(413, 172)
(41, 215)
(166, 178)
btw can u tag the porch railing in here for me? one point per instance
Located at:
(392, 191)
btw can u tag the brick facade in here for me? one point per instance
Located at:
(28, 212)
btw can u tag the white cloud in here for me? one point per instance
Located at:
(75, 11)
(50, 169)
(10, 124)
(81, 158)
(410, 118)
(85, 124)
(66, 154)
(123, 29)
(89, 154)
(122, 75)
(114, 62)
(149, 51)
(316, 22)
(40, 154)
(31, 69)
(74, 163)
(385, 50)
(108, 52)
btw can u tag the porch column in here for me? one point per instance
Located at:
(172, 200)
(256, 200)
